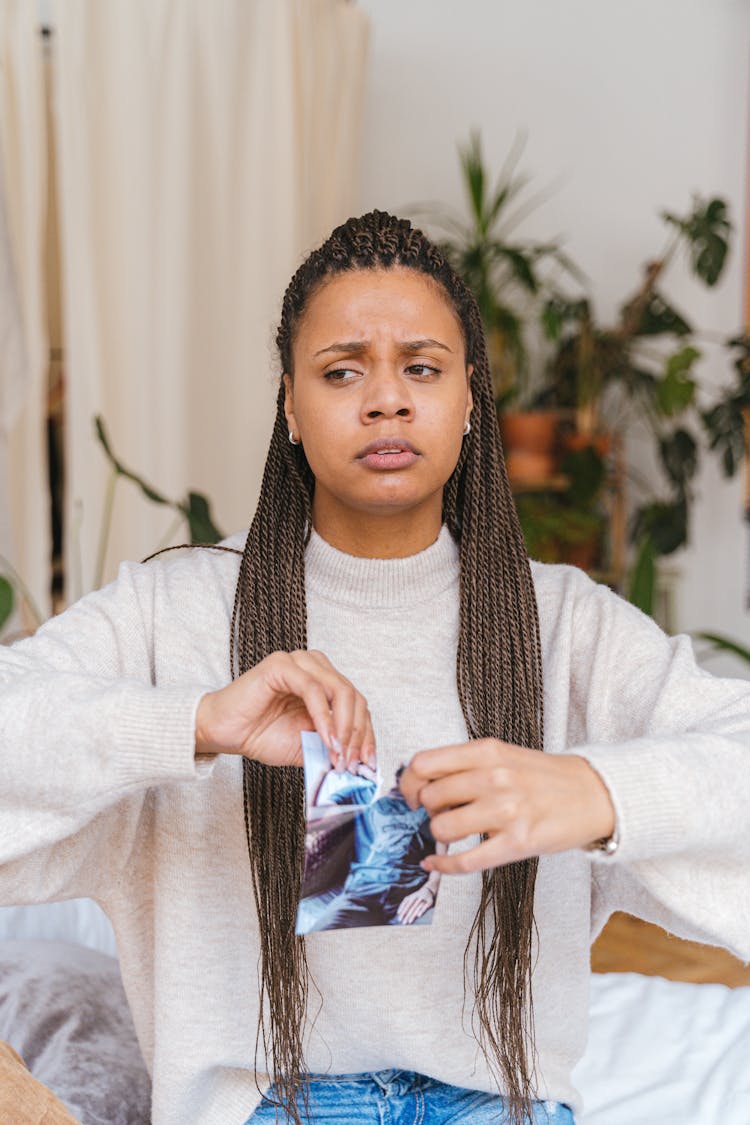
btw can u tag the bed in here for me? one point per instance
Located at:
(671, 1052)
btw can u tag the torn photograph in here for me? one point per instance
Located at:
(362, 851)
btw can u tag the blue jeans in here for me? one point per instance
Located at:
(400, 1097)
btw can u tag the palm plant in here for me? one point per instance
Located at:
(508, 275)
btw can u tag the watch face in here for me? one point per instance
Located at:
(607, 846)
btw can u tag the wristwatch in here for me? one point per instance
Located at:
(608, 845)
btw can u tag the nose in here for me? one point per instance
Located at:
(387, 395)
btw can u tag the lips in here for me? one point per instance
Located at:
(388, 453)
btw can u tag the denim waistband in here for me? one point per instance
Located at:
(396, 1082)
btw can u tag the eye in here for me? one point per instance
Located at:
(423, 370)
(340, 375)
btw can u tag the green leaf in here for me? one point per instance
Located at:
(707, 230)
(676, 391)
(7, 601)
(197, 512)
(643, 579)
(659, 318)
(473, 169)
(552, 321)
(679, 456)
(521, 267)
(709, 258)
(505, 192)
(682, 360)
(725, 644)
(725, 426)
(663, 523)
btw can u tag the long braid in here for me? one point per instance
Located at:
(500, 689)
(499, 678)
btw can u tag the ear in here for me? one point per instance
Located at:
(469, 395)
(289, 403)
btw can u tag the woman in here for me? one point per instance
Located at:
(384, 599)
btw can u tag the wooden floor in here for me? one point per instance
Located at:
(627, 945)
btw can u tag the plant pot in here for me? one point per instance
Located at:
(530, 442)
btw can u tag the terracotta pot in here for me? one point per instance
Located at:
(530, 442)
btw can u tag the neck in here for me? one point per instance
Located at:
(395, 535)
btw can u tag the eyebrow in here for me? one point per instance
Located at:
(356, 347)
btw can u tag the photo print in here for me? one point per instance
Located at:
(363, 847)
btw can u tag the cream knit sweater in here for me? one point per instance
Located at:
(100, 795)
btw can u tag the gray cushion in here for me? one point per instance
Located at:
(63, 1008)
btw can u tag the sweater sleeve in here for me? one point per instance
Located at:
(84, 732)
(672, 744)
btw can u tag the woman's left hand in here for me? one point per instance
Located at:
(527, 803)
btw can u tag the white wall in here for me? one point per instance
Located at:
(630, 106)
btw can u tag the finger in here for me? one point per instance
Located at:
(490, 853)
(369, 751)
(348, 707)
(307, 686)
(362, 733)
(419, 907)
(461, 788)
(339, 694)
(352, 734)
(406, 910)
(488, 815)
(429, 765)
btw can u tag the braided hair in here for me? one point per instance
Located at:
(499, 677)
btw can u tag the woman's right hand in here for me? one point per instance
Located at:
(262, 713)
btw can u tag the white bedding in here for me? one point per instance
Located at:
(666, 1053)
(659, 1052)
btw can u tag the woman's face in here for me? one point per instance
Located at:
(380, 395)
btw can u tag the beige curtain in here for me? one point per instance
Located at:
(202, 148)
(24, 505)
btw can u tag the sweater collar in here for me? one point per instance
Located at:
(349, 580)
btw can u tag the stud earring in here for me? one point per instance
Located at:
(467, 427)
(293, 440)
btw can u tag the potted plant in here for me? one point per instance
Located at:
(601, 374)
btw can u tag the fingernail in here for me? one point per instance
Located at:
(336, 745)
